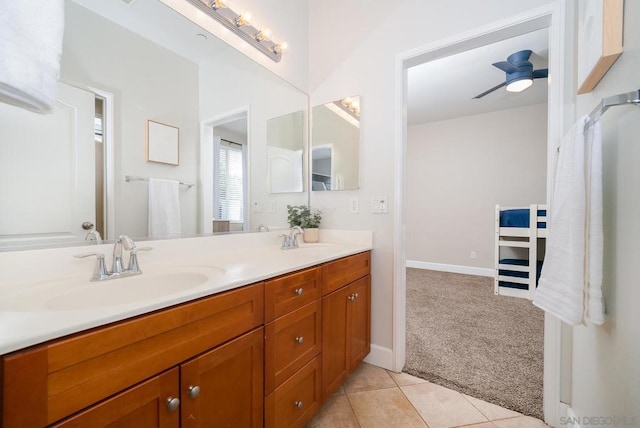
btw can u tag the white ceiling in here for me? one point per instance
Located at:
(444, 88)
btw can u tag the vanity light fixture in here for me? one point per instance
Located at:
(352, 106)
(238, 23)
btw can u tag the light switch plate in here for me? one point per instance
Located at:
(379, 205)
(272, 206)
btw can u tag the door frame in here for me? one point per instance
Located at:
(108, 141)
(551, 16)
(206, 165)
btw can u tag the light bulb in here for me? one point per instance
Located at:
(519, 85)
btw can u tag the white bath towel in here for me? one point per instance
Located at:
(164, 208)
(573, 260)
(30, 49)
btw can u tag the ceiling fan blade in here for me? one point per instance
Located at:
(540, 74)
(490, 90)
(505, 66)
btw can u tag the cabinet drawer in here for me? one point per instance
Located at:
(344, 271)
(295, 402)
(48, 382)
(290, 292)
(290, 342)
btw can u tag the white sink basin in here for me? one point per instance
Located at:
(318, 249)
(79, 294)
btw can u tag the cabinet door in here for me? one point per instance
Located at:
(334, 340)
(359, 321)
(145, 405)
(230, 385)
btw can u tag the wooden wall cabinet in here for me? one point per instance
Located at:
(346, 319)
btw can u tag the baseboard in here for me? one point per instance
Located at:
(380, 356)
(468, 270)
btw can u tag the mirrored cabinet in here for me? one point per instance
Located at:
(335, 145)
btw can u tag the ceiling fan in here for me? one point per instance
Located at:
(520, 73)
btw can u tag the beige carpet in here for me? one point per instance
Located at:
(462, 336)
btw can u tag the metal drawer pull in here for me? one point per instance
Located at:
(299, 291)
(355, 296)
(352, 297)
(300, 340)
(193, 391)
(173, 404)
(298, 404)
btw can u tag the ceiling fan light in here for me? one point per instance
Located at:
(519, 85)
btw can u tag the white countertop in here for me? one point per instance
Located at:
(235, 260)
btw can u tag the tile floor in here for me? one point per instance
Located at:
(373, 397)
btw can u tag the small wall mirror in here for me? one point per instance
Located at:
(335, 140)
(285, 153)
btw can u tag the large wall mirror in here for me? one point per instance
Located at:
(335, 145)
(85, 165)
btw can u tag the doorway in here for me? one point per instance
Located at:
(551, 17)
(224, 170)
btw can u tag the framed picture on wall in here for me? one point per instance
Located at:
(600, 25)
(163, 143)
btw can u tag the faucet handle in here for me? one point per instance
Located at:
(285, 241)
(100, 271)
(134, 267)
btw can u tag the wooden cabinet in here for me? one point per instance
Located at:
(46, 383)
(265, 354)
(223, 387)
(144, 405)
(346, 320)
(293, 341)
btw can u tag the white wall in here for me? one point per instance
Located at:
(459, 169)
(361, 60)
(148, 82)
(606, 373)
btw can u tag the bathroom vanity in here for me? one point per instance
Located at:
(267, 353)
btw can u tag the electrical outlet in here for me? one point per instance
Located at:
(354, 207)
(474, 255)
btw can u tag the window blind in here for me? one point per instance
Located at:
(230, 182)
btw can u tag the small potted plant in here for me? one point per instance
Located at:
(307, 218)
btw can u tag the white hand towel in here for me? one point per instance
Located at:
(570, 285)
(594, 305)
(164, 208)
(30, 49)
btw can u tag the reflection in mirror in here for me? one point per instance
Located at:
(285, 153)
(335, 140)
(120, 67)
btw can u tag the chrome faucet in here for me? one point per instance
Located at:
(101, 273)
(291, 241)
(125, 242)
